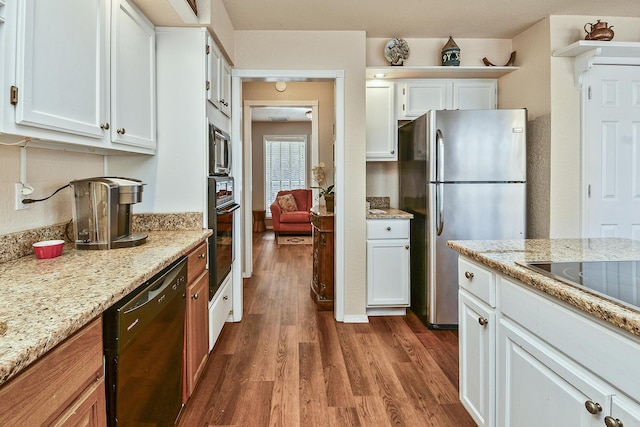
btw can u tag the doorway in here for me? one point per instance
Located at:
(243, 163)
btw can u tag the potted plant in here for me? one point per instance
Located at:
(327, 193)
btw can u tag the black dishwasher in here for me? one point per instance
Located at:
(143, 346)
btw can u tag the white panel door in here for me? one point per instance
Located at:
(612, 152)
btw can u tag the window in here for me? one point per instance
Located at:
(285, 165)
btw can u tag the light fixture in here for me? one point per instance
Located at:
(308, 114)
(379, 76)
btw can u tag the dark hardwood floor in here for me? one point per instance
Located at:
(287, 364)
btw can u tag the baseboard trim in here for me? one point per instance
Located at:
(351, 318)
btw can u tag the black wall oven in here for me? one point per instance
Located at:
(221, 208)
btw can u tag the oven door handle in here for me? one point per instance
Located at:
(228, 209)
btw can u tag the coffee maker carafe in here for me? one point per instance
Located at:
(102, 212)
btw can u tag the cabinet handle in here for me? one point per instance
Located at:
(225, 297)
(468, 275)
(593, 407)
(612, 422)
(195, 296)
(388, 228)
(208, 85)
(104, 126)
(202, 255)
(407, 247)
(393, 151)
(121, 131)
(483, 321)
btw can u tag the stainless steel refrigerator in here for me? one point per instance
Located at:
(463, 176)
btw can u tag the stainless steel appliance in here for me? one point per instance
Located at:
(219, 151)
(462, 175)
(221, 208)
(103, 211)
(143, 346)
(617, 280)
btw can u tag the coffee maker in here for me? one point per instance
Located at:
(102, 212)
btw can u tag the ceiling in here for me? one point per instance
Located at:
(279, 114)
(416, 18)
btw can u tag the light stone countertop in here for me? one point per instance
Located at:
(44, 301)
(388, 213)
(501, 255)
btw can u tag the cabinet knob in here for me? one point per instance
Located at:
(121, 131)
(483, 321)
(225, 297)
(407, 247)
(195, 296)
(593, 407)
(104, 126)
(208, 85)
(468, 275)
(388, 228)
(202, 255)
(393, 151)
(612, 422)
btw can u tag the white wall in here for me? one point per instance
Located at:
(327, 50)
(47, 170)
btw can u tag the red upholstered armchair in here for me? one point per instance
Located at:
(290, 218)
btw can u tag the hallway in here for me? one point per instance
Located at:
(287, 364)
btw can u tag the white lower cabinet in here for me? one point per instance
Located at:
(537, 386)
(388, 263)
(477, 336)
(535, 361)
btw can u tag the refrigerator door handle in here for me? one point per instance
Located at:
(439, 156)
(439, 178)
(440, 208)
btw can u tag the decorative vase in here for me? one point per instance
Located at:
(328, 201)
(450, 53)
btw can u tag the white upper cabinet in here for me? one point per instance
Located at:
(219, 79)
(133, 84)
(381, 121)
(79, 74)
(61, 68)
(416, 97)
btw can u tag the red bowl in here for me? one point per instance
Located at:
(48, 248)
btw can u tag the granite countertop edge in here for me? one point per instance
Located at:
(502, 255)
(43, 302)
(389, 213)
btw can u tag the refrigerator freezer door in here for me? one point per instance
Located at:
(477, 145)
(469, 212)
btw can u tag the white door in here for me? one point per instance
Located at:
(612, 152)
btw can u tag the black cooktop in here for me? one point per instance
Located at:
(617, 280)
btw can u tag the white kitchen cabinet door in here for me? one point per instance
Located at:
(624, 413)
(418, 97)
(388, 272)
(133, 83)
(475, 94)
(537, 386)
(219, 74)
(61, 69)
(476, 337)
(382, 127)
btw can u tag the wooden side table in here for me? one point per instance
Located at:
(258, 221)
(322, 281)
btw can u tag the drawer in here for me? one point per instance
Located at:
(387, 229)
(477, 280)
(220, 310)
(196, 262)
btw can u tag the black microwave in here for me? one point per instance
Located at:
(219, 152)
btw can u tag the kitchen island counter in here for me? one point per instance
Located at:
(502, 256)
(44, 301)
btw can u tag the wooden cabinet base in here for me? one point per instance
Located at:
(323, 262)
(321, 302)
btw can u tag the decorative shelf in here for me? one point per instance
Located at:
(405, 72)
(588, 53)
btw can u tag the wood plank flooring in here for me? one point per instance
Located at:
(287, 364)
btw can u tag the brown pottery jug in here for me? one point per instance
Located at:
(598, 31)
